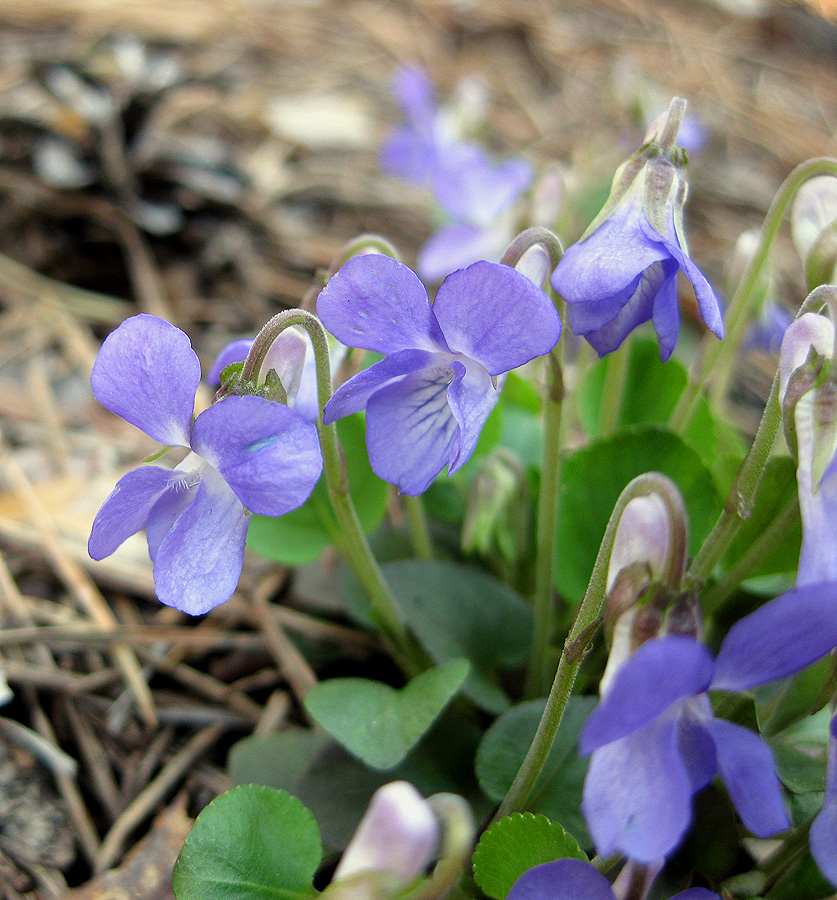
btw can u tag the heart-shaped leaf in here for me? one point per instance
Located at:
(380, 724)
(251, 843)
(515, 844)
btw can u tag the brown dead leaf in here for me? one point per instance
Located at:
(145, 873)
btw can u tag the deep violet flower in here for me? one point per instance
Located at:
(427, 401)
(247, 454)
(623, 272)
(823, 836)
(655, 743)
(573, 879)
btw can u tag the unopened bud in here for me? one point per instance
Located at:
(813, 220)
(397, 835)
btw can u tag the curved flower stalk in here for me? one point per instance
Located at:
(248, 454)
(655, 743)
(623, 272)
(573, 879)
(427, 401)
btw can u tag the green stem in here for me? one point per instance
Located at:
(742, 494)
(585, 624)
(715, 355)
(763, 547)
(613, 392)
(418, 526)
(353, 541)
(537, 674)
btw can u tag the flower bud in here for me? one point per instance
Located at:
(495, 516)
(645, 569)
(814, 228)
(397, 835)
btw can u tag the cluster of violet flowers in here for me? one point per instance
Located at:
(654, 740)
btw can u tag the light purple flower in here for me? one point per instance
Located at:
(427, 401)
(823, 836)
(655, 743)
(398, 835)
(625, 274)
(573, 879)
(247, 454)
(815, 450)
(478, 195)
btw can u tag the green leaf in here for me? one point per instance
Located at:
(251, 843)
(458, 611)
(513, 845)
(592, 480)
(278, 759)
(380, 724)
(650, 394)
(557, 792)
(301, 535)
(778, 486)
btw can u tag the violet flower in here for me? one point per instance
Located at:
(655, 743)
(427, 401)
(478, 196)
(247, 454)
(475, 193)
(623, 272)
(823, 837)
(573, 879)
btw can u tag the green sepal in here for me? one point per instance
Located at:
(157, 454)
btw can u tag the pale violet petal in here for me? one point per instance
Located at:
(637, 794)
(564, 879)
(147, 373)
(376, 303)
(268, 453)
(471, 397)
(746, 767)
(495, 315)
(126, 510)
(199, 561)
(410, 428)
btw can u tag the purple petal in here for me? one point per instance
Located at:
(233, 353)
(471, 396)
(413, 92)
(666, 315)
(147, 373)
(710, 307)
(376, 303)
(638, 308)
(458, 245)
(595, 314)
(169, 507)
(696, 894)
(471, 188)
(126, 510)
(818, 508)
(353, 396)
(661, 672)
(637, 794)
(697, 749)
(267, 453)
(410, 428)
(409, 154)
(564, 879)
(780, 638)
(746, 767)
(199, 561)
(823, 837)
(609, 260)
(496, 316)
